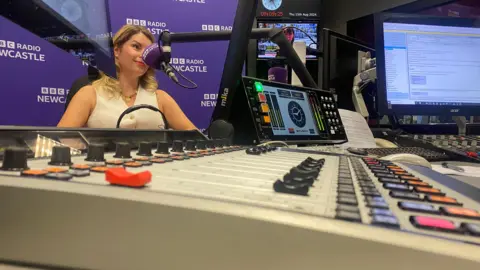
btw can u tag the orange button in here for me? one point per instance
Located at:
(397, 170)
(264, 108)
(34, 173)
(429, 190)
(442, 199)
(394, 167)
(99, 169)
(119, 176)
(133, 164)
(413, 178)
(460, 212)
(141, 159)
(266, 119)
(418, 183)
(56, 170)
(80, 167)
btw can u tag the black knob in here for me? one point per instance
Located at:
(226, 143)
(144, 149)
(162, 148)
(177, 146)
(291, 188)
(95, 153)
(191, 145)
(253, 151)
(61, 156)
(291, 178)
(304, 172)
(122, 150)
(210, 144)
(218, 143)
(15, 159)
(201, 145)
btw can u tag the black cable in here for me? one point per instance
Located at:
(138, 107)
(183, 76)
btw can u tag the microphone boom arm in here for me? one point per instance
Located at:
(276, 35)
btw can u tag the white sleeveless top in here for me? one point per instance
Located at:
(108, 110)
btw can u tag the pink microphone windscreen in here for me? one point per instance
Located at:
(278, 74)
(152, 55)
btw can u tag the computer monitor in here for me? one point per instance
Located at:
(427, 65)
(80, 27)
(266, 49)
(340, 66)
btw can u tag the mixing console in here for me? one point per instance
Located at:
(226, 191)
(463, 145)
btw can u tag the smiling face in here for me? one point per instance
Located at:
(129, 55)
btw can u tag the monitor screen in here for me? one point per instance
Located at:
(431, 64)
(267, 49)
(292, 114)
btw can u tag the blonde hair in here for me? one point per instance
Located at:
(147, 81)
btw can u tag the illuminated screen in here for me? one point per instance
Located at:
(268, 49)
(431, 65)
(290, 112)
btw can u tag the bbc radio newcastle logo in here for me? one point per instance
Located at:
(154, 27)
(189, 65)
(21, 51)
(52, 95)
(209, 100)
(216, 27)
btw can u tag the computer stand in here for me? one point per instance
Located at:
(461, 124)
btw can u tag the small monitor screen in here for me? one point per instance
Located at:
(268, 49)
(431, 64)
(291, 113)
(284, 112)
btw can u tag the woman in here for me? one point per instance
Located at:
(99, 105)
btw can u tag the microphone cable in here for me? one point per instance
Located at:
(184, 77)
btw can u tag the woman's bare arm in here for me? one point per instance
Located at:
(80, 108)
(176, 118)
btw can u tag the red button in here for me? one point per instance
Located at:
(433, 223)
(119, 176)
(262, 97)
(472, 154)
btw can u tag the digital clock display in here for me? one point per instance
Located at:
(298, 9)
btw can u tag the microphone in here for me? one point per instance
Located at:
(278, 74)
(155, 57)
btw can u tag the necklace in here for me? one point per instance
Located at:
(128, 98)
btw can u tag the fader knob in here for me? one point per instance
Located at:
(144, 149)
(122, 150)
(61, 156)
(218, 143)
(201, 145)
(210, 144)
(95, 153)
(177, 146)
(162, 148)
(190, 146)
(15, 159)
